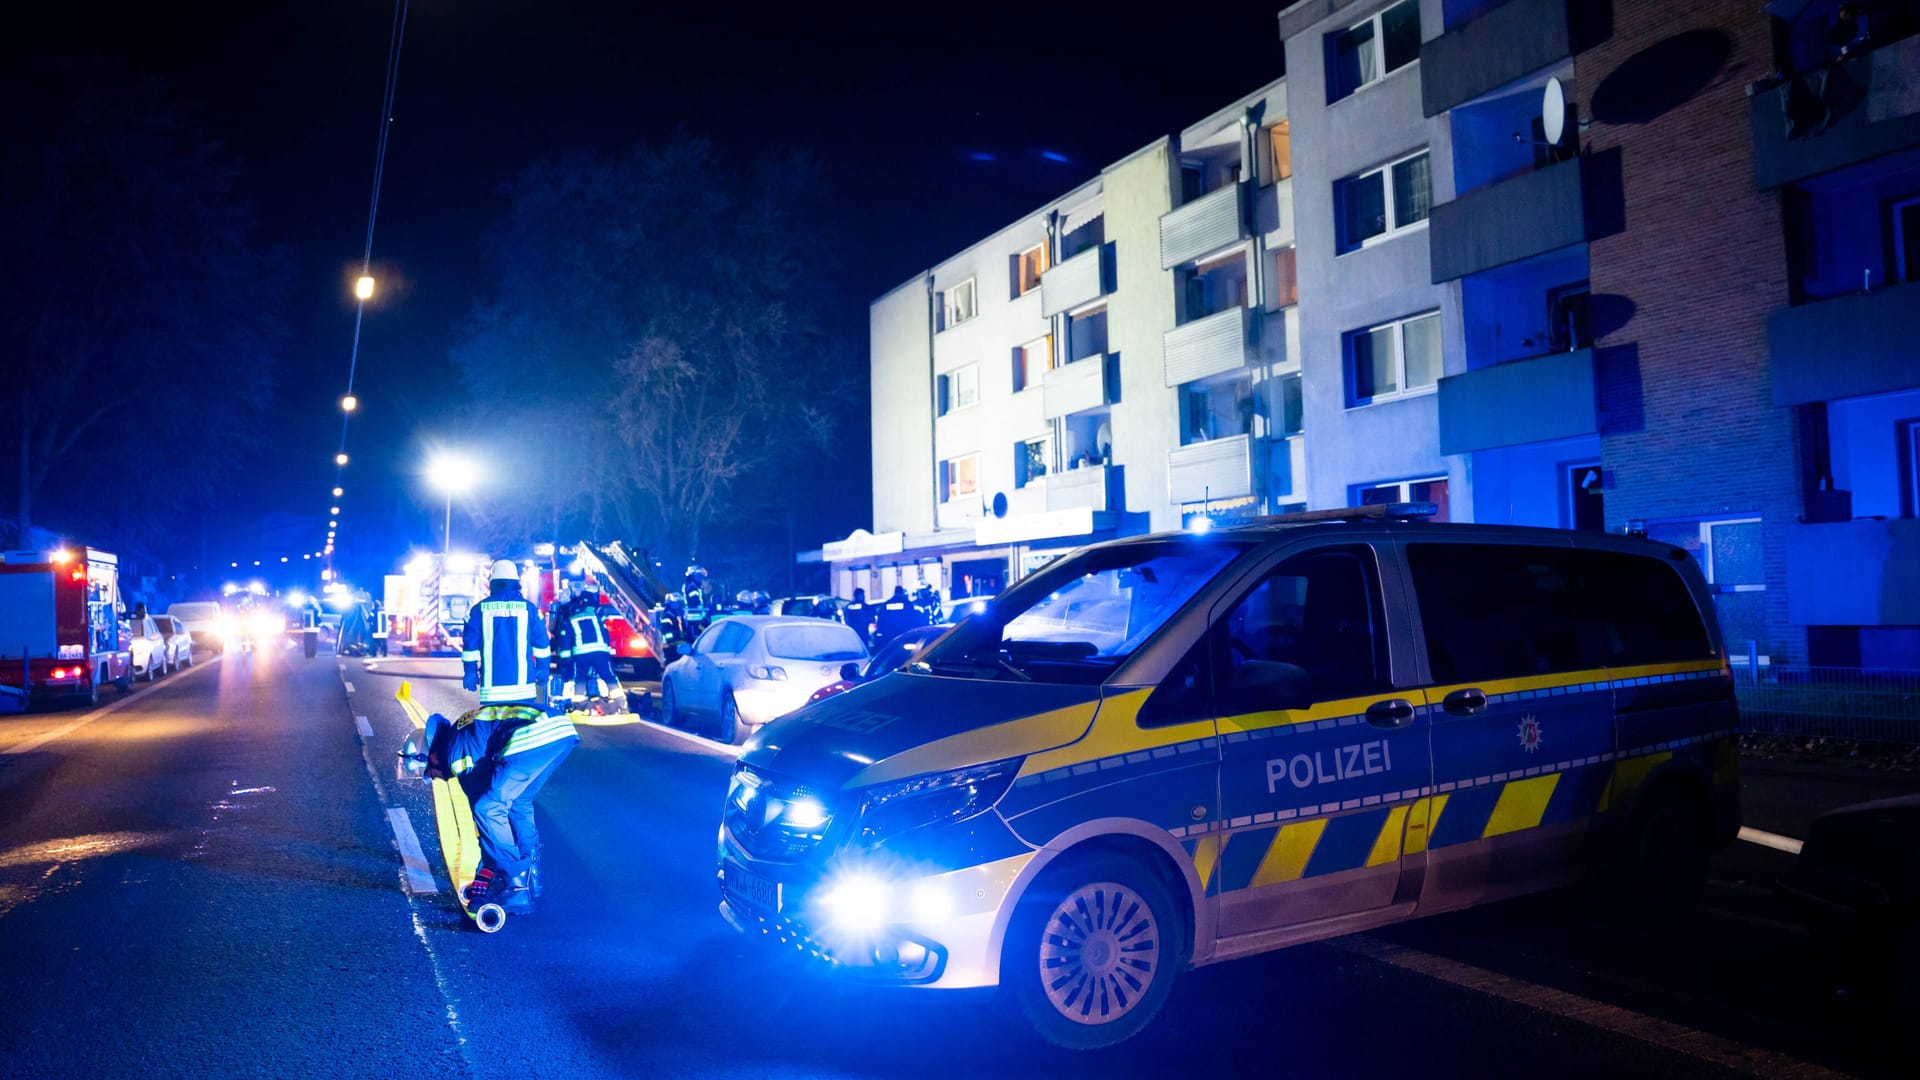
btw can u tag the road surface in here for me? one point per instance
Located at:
(215, 876)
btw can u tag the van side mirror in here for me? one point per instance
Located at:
(1257, 686)
(850, 671)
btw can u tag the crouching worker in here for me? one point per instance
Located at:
(506, 653)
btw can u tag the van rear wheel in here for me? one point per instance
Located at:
(1667, 862)
(1090, 956)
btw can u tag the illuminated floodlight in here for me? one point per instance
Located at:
(337, 492)
(340, 459)
(283, 558)
(363, 288)
(451, 474)
(334, 511)
(304, 555)
(326, 574)
(543, 551)
(62, 556)
(349, 403)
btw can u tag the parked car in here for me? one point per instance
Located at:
(204, 620)
(891, 657)
(179, 641)
(747, 670)
(1857, 886)
(813, 607)
(148, 645)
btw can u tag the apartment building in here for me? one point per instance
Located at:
(1116, 362)
(1573, 263)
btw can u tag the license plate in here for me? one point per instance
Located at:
(756, 892)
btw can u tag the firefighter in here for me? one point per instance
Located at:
(592, 654)
(560, 634)
(506, 655)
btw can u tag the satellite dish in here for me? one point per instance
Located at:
(1553, 111)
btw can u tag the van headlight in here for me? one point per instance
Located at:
(933, 798)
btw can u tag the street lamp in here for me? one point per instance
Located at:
(340, 459)
(349, 403)
(451, 475)
(363, 288)
(337, 492)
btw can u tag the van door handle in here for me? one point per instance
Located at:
(1390, 714)
(1464, 702)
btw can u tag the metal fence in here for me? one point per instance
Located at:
(1825, 702)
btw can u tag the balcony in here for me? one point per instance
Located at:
(1202, 227)
(1216, 469)
(1287, 468)
(1873, 108)
(1205, 347)
(1502, 46)
(1075, 388)
(1273, 213)
(1854, 573)
(1079, 280)
(1096, 488)
(1526, 401)
(1517, 218)
(1846, 346)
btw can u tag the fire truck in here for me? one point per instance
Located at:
(60, 634)
(427, 603)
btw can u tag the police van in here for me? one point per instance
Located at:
(1175, 750)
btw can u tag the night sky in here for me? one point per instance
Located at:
(900, 102)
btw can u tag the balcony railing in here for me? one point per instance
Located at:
(1845, 346)
(1502, 46)
(1095, 487)
(1079, 280)
(1215, 469)
(1517, 218)
(1074, 388)
(1854, 573)
(1526, 401)
(1205, 225)
(1206, 347)
(1829, 119)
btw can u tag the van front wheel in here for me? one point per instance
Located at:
(1090, 956)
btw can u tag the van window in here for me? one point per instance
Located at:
(1319, 612)
(1496, 611)
(1637, 610)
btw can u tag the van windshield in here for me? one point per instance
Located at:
(1081, 618)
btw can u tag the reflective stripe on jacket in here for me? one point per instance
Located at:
(589, 635)
(542, 732)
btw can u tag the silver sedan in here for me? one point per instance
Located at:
(750, 669)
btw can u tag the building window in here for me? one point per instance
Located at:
(1031, 362)
(1568, 325)
(1392, 360)
(1285, 276)
(957, 305)
(1731, 554)
(1909, 434)
(1586, 498)
(960, 478)
(1367, 52)
(959, 389)
(1214, 287)
(1906, 238)
(1027, 268)
(1029, 461)
(1279, 151)
(1086, 334)
(1432, 489)
(1289, 411)
(1085, 236)
(1218, 409)
(1384, 201)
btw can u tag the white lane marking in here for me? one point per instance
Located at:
(366, 729)
(1772, 840)
(700, 741)
(419, 879)
(26, 746)
(1751, 1060)
(349, 688)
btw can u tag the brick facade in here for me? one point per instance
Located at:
(1688, 426)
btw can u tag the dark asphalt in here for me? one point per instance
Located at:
(204, 882)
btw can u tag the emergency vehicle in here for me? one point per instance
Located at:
(426, 604)
(60, 632)
(1174, 750)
